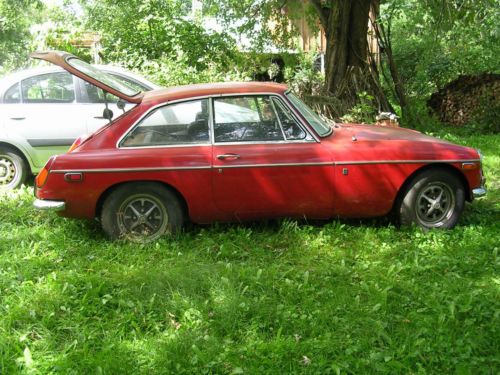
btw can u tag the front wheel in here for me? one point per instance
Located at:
(435, 199)
(13, 170)
(141, 212)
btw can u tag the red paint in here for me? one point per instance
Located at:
(247, 187)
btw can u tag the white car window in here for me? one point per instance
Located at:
(48, 88)
(13, 95)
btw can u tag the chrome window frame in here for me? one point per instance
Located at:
(301, 122)
(307, 138)
(289, 91)
(283, 105)
(137, 123)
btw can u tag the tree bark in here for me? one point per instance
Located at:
(346, 62)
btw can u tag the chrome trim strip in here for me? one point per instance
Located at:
(112, 170)
(402, 161)
(263, 165)
(47, 205)
(320, 164)
(168, 146)
(261, 143)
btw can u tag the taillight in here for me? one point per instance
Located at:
(41, 178)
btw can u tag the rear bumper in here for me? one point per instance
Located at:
(48, 205)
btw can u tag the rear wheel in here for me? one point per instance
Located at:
(435, 199)
(13, 169)
(141, 212)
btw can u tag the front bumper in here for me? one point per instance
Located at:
(47, 205)
(479, 192)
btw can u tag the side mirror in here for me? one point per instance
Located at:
(107, 114)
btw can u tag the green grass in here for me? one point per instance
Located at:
(279, 297)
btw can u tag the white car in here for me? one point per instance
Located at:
(42, 112)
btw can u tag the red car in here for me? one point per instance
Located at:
(243, 151)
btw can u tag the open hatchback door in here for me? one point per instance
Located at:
(88, 73)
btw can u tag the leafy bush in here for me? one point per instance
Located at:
(303, 78)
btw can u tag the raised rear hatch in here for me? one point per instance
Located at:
(88, 73)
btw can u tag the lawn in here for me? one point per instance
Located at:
(279, 297)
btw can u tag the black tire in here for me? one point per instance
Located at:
(434, 199)
(125, 212)
(13, 169)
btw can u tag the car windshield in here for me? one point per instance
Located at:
(106, 78)
(321, 127)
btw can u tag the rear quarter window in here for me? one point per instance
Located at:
(12, 95)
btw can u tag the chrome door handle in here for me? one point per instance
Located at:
(228, 156)
(18, 118)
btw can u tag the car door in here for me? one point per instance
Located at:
(265, 163)
(46, 115)
(172, 144)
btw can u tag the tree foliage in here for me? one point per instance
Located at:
(138, 31)
(16, 18)
(434, 42)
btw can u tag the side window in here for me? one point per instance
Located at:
(13, 95)
(246, 118)
(291, 128)
(96, 95)
(175, 124)
(49, 88)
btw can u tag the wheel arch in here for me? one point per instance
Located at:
(20, 152)
(443, 166)
(109, 191)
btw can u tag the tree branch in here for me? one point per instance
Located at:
(322, 12)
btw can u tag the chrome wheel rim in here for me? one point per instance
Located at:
(142, 218)
(8, 171)
(435, 204)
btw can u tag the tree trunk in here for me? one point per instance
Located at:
(346, 63)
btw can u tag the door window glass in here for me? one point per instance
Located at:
(175, 124)
(49, 88)
(12, 95)
(291, 128)
(96, 95)
(245, 119)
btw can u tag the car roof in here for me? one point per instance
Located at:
(208, 89)
(7, 81)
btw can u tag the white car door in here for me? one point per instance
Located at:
(47, 117)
